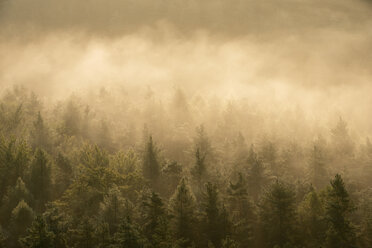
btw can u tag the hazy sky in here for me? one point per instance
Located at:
(316, 53)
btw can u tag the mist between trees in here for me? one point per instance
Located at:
(118, 168)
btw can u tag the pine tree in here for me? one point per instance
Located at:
(13, 197)
(14, 161)
(128, 235)
(150, 166)
(216, 221)
(199, 169)
(338, 208)
(21, 219)
(40, 134)
(156, 221)
(112, 208)
(40, 181)
(256, 174)
(63, 174)
(278, 215)
(182, 207)
(242, 211)
(318, 172)
(230, 243)
(312, 220)
(58, 223)
(38, 235)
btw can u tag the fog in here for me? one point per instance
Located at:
(278, 54)
(122, 106)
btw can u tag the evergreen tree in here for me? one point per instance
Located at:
(128, 236)
(156, 221)
(58, 223)
(215, 220)
(199, 169)
(14, 161)
(21, 219)
(312, 220)
(278, 215)
(63, 174)
(182, 207)
(242, 211)
(112, 208)
(82, 235)
(150, 166)
(338, 209)
(230, 243)
(40, 134)
(40, 181)
(13, 197)
(256, 174)
(318, 172)
(38, 235)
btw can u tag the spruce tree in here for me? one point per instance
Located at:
(182, 208)
(128, 235)
(40, 181)
(338, 209)
(40, 134)
(150, 166)
(242, 211)
(312, 220)
(317, 166)
(38, 235)
(156, 221)
(278, 215)
(21, 219)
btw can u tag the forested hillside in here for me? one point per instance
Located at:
(116, 169)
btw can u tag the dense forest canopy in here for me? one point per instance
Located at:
(179, 124)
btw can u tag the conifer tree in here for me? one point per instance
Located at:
(312, 220)
(13, 197)
(40, 181)
(199, 169)
(338, 209)
(128, 235)
(242, 211)
(112, 208)
(318, 172)
(182, 207)
(150, 166)
(215, 217)
(278, 215)
(40, 134)
(21, 219)
(156, 221)
(256, 174)
(38, 235)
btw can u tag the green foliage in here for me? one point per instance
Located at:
(150, 163)
(38, 235)
(40, 181)
(338, 209)
(242, 211)
(182, 208)
(278, 215)
(13, 197)
(128, 236)
(14, 159)
(156, 221)
(21, 218)
(40, 134)
(215, 221)
(312, 220)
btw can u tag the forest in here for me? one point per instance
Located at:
(81, 172)
(185, 124)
